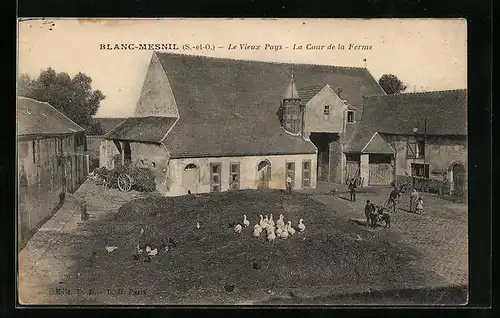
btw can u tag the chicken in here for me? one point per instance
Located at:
(301, 225)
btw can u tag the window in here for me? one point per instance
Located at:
(234, 176)
(420, 170)
(215, 177)
(191, 166)
(326, 110)
(306, 174)
(290, 171)
(415, 150)
(350, 117)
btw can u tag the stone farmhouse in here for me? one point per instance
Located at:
(208, 124)
(422, 135)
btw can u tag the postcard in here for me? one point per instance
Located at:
(242, 162)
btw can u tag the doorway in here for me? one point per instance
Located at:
(127, 153)
(458, 172)
(191, 177)
(327, 166)
(264, 174)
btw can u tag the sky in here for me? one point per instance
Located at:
(426, 54)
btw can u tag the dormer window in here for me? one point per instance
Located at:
(326, 110)
(350, 117)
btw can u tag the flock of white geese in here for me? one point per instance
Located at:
(272, 229)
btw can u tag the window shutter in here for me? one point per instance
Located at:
(411, 150)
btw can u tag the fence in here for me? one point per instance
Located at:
(426, 185)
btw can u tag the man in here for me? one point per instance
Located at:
(352, 190)
(288, 183)
(392, 197)
(413, 198)
(369, 210)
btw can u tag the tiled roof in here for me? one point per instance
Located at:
(445, 113)
(308, 92)
(40, 118)
(228, 107)
(109, 123)
(146, 129)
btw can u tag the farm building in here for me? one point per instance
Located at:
(94, 141)
(50, 162)
(209, 124)
(422, 135)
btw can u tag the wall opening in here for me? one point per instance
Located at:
(327, 161)
(264, 174)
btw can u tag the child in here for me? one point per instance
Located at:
(413, 198)
(352, 190)
(420, 206)
(368, 211)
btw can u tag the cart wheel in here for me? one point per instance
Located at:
(124, 182)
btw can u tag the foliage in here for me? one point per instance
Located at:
(144, 180)
(391, 84)
(74, 97)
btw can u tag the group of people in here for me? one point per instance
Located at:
(415, 200)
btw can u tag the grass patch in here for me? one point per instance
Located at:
(316, 262)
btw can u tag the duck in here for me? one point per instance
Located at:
(148, 249)
(257, 227)
(301, 225)
(284, 234)
(262, 223)
(246, 223)
(198, 225)
(266, 219)
(291, 230)
(237, 228)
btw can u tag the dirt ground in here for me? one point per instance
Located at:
(332, 258)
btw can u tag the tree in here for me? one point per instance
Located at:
(74, 97)
(391, 84)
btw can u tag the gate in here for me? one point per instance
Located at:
(381, 170)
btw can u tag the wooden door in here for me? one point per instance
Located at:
(380, 170)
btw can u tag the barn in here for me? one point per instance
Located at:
(209, 124)
(419, 135)
(50, 160)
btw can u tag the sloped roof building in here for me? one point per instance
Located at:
(202, 107)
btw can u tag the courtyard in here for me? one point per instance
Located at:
(421, 259)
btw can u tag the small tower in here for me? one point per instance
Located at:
(290, 108)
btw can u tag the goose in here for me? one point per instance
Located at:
(142, 231)
(198, 225)
(280, 223)
(262, 223)
(256, 232)
(271, 222)
(111, 248)
(266, 219)
(148, 249)
(245, 221)
(237, 228)
(139, 250)
(269, 228)
(257, 228)
(301, 225)
(279, 231)
(291, 230)
(284, 234)
(271, 237)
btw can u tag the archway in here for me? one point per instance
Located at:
(263, 174)
(191, 177)
(458, 175)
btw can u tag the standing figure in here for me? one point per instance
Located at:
(352, 190)
(288, 183)
(413, 198)
(369, 210)
(420, 206)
